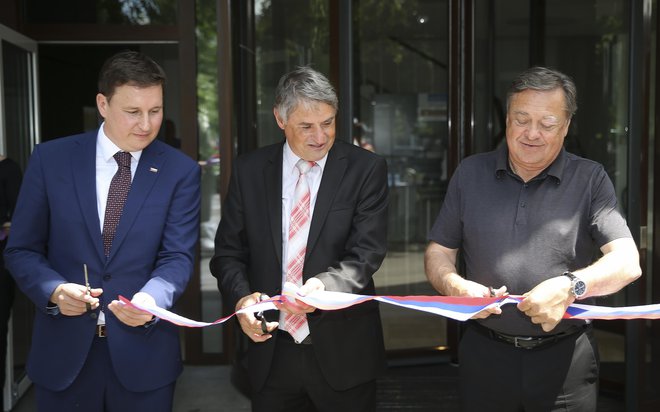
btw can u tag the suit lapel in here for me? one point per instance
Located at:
(146, 174)
(333, 174)
(273, 181)
(83, 169)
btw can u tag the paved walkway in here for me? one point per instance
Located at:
(427, 387)
(200, 389)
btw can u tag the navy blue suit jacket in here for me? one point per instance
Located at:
(56, 229)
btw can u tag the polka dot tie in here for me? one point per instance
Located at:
(297, 325)
(119, 187)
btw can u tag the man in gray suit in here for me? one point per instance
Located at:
(333, 364)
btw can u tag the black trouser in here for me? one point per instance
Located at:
(295, 383)
(497, 376)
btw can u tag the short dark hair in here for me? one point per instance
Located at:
(303, 85)
(129, 67)
(545, 79)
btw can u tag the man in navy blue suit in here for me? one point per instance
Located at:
(89, 351)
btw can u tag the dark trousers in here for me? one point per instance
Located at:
(97, 389)
(496, 376)
(295, 383)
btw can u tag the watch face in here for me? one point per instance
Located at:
(579, 288)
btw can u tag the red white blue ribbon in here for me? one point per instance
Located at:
(453, 307)
(579, 311)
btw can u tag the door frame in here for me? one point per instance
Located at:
(15, 388)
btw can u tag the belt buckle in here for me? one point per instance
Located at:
(518, 339)
(100, 331)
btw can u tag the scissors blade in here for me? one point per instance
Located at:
(89, 289)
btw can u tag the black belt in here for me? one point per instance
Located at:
(528, 342)
(100, 331)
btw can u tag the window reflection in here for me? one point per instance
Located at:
(125, 12)
(209, 160)
(402, 114)
(588, 40)
(288, 33)
(19, 122)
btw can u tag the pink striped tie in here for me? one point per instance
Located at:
(299, 222)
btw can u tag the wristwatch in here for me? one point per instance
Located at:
(578, 287)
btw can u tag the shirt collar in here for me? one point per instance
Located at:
(290, 159)
(555, 170)
(558, 167)
(107, 148)
(501, 160)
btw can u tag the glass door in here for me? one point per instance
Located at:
(18, 134)
(590, 41)
(400, 95)
(401, 104)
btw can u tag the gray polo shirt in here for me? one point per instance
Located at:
(518, 234)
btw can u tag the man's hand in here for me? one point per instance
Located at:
(473, 289)
(72, 298)
(298, 307)
(440, 268)
(547, 302)
(249, 323)
(130, 315)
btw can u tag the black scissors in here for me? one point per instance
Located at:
(89, 289)
(260, 316)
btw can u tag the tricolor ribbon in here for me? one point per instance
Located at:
(453, 307)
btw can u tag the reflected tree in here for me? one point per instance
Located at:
(137, 12)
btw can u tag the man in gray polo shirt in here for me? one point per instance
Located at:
(529, 219)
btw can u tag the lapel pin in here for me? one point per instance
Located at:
(153, 170)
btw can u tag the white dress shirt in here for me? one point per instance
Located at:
(290, 175)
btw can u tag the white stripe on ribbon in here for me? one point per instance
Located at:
(439, 305)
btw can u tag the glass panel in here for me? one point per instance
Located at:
(651, 368)
(600, 34)
(209, 138)
(402, 82)
(588, 40)
(595, 30)
(18, 122)
(501, 51)
(18, 72)
(123, 12)
(61, 61)
(289, 33)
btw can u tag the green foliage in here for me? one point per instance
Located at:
(376, 20)
(207, 79)
(137, 12)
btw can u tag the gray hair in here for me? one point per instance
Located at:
(545, 79)
(305, 86)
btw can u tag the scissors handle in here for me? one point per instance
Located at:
(260, 315)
